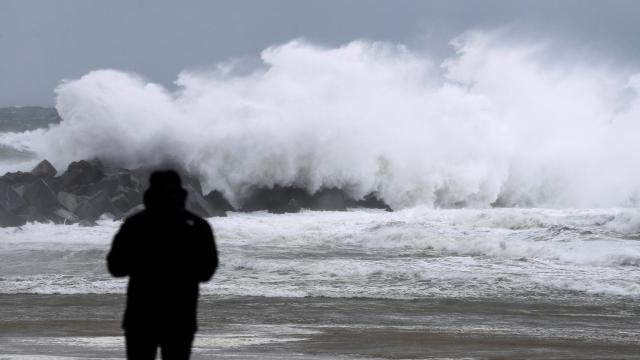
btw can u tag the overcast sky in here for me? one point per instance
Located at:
(42, 42)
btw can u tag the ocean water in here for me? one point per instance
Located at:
(513, 177)
(409, 254)
(361, 284)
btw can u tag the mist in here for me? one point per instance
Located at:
(500, 122)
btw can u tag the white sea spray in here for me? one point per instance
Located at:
(499, 121)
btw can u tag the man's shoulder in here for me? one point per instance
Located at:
(196, 220)
(136, 218)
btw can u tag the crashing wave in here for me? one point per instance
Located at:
(497, 123)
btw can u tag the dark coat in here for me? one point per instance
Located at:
(166, 254)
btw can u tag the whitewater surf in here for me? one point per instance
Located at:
(514, 183)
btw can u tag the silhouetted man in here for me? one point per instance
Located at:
(166, 251)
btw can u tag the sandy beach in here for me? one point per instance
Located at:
(88, 326)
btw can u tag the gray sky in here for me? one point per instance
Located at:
(42, 42)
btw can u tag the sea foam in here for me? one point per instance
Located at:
(411, 253)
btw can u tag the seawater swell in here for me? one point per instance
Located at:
(497, 123)
(412, 253)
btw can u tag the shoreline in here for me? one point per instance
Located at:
(88, 326)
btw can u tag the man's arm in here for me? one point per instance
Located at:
(118, 258)
(208, 254)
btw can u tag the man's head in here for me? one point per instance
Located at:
(165, 192)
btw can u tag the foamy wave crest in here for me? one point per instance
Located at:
(498, 122)
(411, 253)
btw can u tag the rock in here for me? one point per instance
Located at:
(44, 169)
(281, 199)
(291, 206)
(197, 203)
(45, 205)
(88, 190)
(134, 196)
(34, 215)
(63, 216)
(81, 173)
(18, 178)
(87, 223)
(189, 180)
(8, 219)
(134, 210)
(275, 199)
(40, 195)
(101, 200)
(19, 189)
(141, 175)
(10, 200)
(71, 202)
(87, 211)
(85, 190)
(95, 206)
(111, 183)
(108, 184)
(107, 216)
(120, 204)
(54, 183)
(370, 201)
(218, 203)
(329, 200)
(129, 181)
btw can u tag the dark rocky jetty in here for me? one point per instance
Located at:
(88, 190)
(280, 199)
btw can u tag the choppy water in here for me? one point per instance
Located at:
(413, 253)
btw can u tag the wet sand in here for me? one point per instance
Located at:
(88, 326)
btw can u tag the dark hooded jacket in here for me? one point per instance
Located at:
(166, 251)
